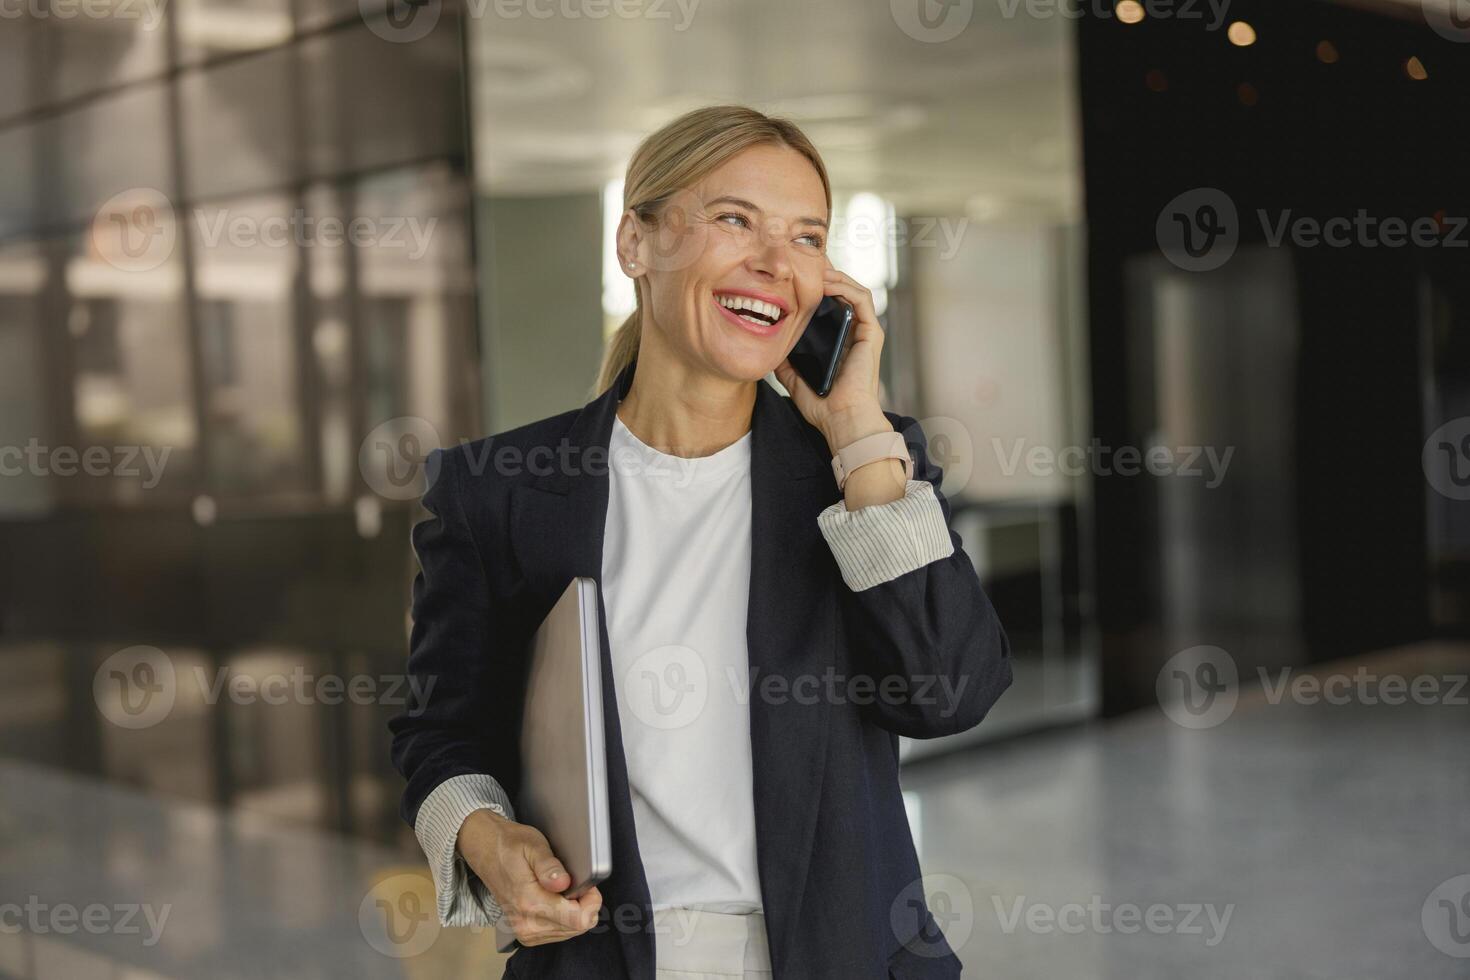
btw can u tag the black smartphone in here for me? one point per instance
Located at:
(818, 353)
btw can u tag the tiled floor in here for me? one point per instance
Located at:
(1115, 850)
(1323, 829)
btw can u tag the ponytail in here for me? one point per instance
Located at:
(621, 351)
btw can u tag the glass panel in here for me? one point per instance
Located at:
(375, 103)
(19, 43)
(246, 255)
(23, 274)
(125, 316)
(332, 342)
(114, 145)
(315, 14)
(417, 305)
(100, 46)
(237, 125)
(210, 28)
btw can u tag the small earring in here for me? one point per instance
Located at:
(632, 265)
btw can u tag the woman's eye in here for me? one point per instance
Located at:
(739, 219)
(815, 241)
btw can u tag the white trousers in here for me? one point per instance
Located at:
(695, 945)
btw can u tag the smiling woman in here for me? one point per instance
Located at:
(757, 827)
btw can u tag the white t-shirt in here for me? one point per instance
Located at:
(676, 585)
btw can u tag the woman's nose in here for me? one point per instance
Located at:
(770, 253)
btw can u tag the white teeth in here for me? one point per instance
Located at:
(754, 305)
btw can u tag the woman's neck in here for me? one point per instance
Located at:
(682, 412)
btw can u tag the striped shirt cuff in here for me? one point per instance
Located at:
(462, 898)
(879, 543)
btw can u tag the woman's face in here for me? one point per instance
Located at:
(752, 233)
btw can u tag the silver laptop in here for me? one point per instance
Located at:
(563, 790)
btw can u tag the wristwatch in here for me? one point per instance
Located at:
(870, 449)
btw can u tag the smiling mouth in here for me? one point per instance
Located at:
(754, 311)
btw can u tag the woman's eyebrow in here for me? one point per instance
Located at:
(741, 202)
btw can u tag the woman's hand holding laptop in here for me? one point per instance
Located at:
(515, 862)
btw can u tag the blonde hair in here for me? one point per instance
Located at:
(673, 159)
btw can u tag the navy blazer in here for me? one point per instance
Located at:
(515, 516)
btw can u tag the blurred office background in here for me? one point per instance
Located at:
(258, 393)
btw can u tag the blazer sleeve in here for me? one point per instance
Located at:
(454, 732)
(916, 618)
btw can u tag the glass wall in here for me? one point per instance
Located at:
(234, 260)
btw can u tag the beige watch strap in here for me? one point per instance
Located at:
(870, 449)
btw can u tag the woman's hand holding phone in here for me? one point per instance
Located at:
(515, 862)
(851, 409)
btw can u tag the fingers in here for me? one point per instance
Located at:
(865, 313)
(544, 917)
(549, 872)
(535, 912)
(790, 379)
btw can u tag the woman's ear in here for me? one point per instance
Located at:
(630, 245)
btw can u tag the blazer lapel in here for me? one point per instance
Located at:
(557, 523)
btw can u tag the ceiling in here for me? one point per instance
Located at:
(982, 123)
